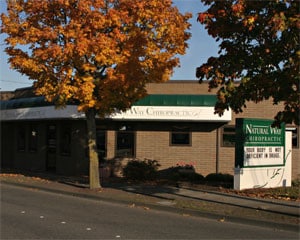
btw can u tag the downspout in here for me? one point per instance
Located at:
(217, 149)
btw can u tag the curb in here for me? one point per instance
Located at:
(290, 205)
(168, 208)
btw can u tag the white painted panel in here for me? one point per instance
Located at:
(49, 112)
(172, 113)
(135, 113)
(267, 177)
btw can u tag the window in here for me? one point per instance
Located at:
(180, 138)
(228, 136)
(125, 144)
(101, 144)
(21, 142)
(65, 143)
(51, 139)
(295, 141)
(33, 139)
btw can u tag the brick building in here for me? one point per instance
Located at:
(174, 125)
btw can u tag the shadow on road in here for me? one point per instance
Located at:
(164, 191)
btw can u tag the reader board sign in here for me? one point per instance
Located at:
(258, 144)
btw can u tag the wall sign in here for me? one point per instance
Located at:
(258, 144)
(183, 113)
(145, 113)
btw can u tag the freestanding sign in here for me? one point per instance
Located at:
(260, 154)
(258, 143)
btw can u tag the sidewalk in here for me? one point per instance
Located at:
(184, 200)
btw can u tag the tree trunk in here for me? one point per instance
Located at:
(93, 154)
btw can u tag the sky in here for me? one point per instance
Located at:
(201, 47)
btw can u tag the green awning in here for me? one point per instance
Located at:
(177, 100)
(24, 103)
(150, 100)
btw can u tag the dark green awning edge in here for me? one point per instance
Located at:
(177, 100)
(24, 103)
(150, 100)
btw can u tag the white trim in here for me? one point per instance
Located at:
(145, 113)
(49, 112)
(172, 113)
(290, 128)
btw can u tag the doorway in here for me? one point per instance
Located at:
(101, 144)
(51, 148)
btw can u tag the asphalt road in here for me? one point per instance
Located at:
(32, 214)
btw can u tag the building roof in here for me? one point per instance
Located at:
(24, 103)
(150, 100)
(154, 107)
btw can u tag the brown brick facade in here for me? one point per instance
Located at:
(203, 150)
(152, 138)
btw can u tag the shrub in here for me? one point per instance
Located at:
(140, 170)
(219, 177)
(192, 177)
(180, 173)
(296, 183)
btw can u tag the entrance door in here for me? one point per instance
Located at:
(51, 148)
(101, 144)
(125, 144)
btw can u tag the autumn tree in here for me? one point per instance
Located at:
(99, 53)
(258, 54)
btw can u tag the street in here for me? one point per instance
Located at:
(33, 214)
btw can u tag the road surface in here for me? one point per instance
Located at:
(33, 214)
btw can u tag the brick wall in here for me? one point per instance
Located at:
(179, 87)
(156, 145)
(204, 144)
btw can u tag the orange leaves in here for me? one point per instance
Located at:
(82, 46)
(238, 8)
(204, 17)
(101, 53)
(88, 67)
(279, 22)
(221, 12)
(249, 22)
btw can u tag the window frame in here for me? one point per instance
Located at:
(23, 148)
(232, 133)
(297, 137)
(33, 139)
(173, 144)
(99, 150)
(295, 132)
(65, 138)
(133, 149)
